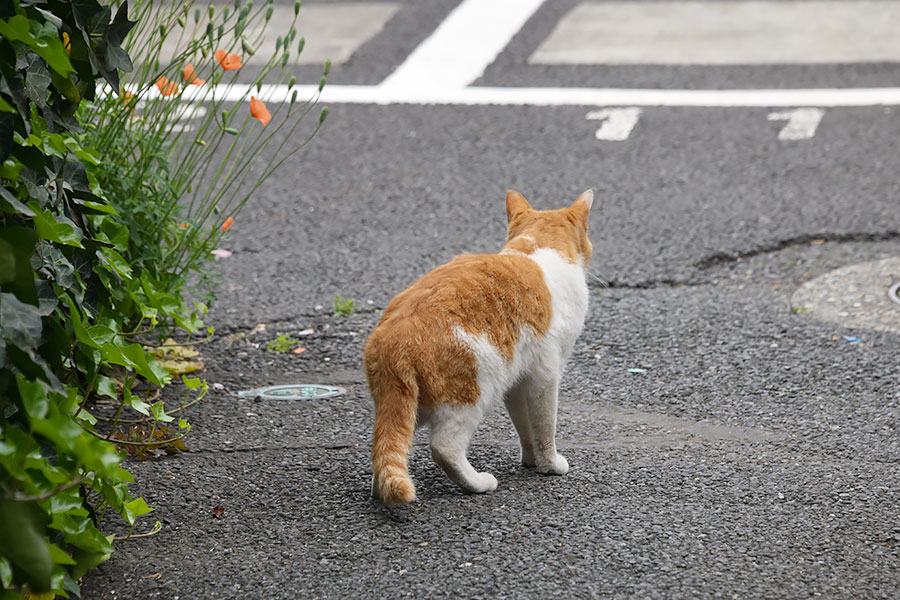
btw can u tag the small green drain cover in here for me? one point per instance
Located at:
(301, 391)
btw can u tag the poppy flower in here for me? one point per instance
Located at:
(183, 225)
(166, 87)
(259, 111)
(129, 100)
(228, 223)
(228, 61)
(190, 75)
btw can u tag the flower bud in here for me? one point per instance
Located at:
(296, 8)
(269, 10)
(300, 45)
(323, 114)
(327, 67)
(291, 82)
(196, 15)
(321, 84)
(247, 47)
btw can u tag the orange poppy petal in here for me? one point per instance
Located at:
(232, 61)
(228, 223)
(128, 100)
(166, 87)
(228, 61)
(198, 82)
(259, 111)
(189, 74)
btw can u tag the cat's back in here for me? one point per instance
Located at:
(477, 292)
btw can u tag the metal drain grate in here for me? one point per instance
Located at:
(300, 391)
(892, 293)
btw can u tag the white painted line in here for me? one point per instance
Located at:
(463, 45)
(801, 123)
(590, 97)
(617, 122)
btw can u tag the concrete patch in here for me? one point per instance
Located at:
(854, 296)
(332, 31)
(635, 428)
(724, 33)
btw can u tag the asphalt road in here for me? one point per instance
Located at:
(755, 455)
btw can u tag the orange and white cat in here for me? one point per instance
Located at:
(480, 329)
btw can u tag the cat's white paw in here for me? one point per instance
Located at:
(558, 466)
(482, 483)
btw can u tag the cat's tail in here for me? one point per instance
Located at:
(396, 402)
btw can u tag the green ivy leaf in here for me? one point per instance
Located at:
(37, 81)
(106, 387)
(16, 275)
(34, 396)
(20, 323)
(16, 204)
(87, 560)
(48, 47)
(55, 229)
(135, 402)
(59, 557)
(158, 410)
(135, 509)
(117, 263)
(24, 544)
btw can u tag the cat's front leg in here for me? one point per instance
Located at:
(542, 408)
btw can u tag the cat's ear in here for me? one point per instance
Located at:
(581, 208)
(515, 204)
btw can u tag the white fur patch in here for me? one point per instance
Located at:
(569, 297)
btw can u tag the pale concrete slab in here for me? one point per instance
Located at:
(332, 31)
(724, 33)
(853, 296)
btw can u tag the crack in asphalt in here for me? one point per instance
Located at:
(719, 258)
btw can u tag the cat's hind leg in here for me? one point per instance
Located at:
(516, 401)
(452, 426)
(542, 406)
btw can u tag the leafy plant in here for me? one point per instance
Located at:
(67, 315)
(283, 343)
(343, 307)
(182, 151)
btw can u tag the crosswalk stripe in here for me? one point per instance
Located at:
(463, 45)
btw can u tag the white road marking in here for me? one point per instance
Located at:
(463, 45)
(602, 97)
(750, 32)
(617, 122)
(801, 123)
